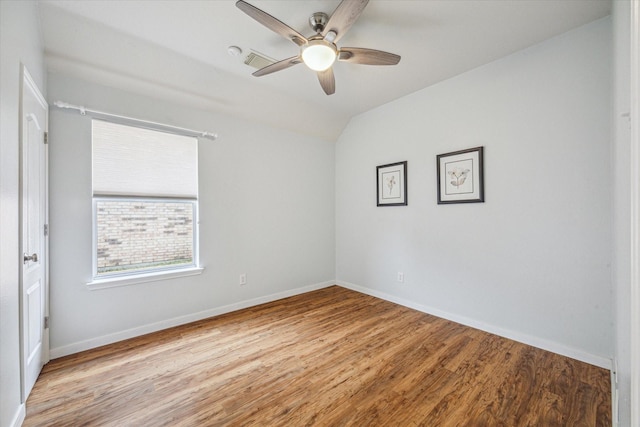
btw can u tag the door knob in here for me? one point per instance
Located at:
(28, 258)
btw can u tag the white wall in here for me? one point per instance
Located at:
(19, 43)
(533, 262)
(266, 209)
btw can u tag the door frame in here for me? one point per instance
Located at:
(27, 81)
(635, 211)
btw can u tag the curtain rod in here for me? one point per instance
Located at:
(138, 122)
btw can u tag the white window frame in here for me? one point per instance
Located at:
(150, 275)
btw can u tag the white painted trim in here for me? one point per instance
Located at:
(538, 342)
(634, 117)
(150, 275)
(181, 320)
(615, 397)
(132, 279)
(19, 417)
(27, 81)
(47, 253)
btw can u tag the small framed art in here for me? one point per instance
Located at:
(461, 176)
(391, 183)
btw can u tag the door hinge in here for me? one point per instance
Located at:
(46, 230)
(46, 137)
(46, 322)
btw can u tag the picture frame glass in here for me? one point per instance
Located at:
(460, 176)
(391, 181)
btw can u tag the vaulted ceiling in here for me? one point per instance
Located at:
(178, 50)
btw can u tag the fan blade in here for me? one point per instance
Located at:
(271, 23)
(277, 66)
(359, 55)
(343, 17)
(327, 81)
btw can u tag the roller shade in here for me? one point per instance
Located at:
(132, 161)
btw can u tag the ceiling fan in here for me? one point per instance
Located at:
(319, 52)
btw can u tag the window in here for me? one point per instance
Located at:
(145, 202)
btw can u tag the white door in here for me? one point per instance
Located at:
(33, 242)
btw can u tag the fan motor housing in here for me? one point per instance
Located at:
(318, 20)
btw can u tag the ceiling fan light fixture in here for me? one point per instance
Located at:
(319, 52)
(319, 55)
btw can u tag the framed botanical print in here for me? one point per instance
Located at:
(461, 176)
(391, 183)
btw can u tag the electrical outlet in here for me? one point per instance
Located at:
(243, 279)
(400, 277)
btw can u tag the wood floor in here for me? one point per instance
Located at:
(330, 357)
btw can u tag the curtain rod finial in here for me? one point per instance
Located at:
(212, 136)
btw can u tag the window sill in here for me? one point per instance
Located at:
(112, 282)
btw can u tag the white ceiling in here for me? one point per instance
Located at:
(177, 50)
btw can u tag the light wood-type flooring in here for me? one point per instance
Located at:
(332, 357)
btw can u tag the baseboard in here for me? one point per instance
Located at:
(181, 320)
(18, 418)
(534, 341)
(177, 321)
